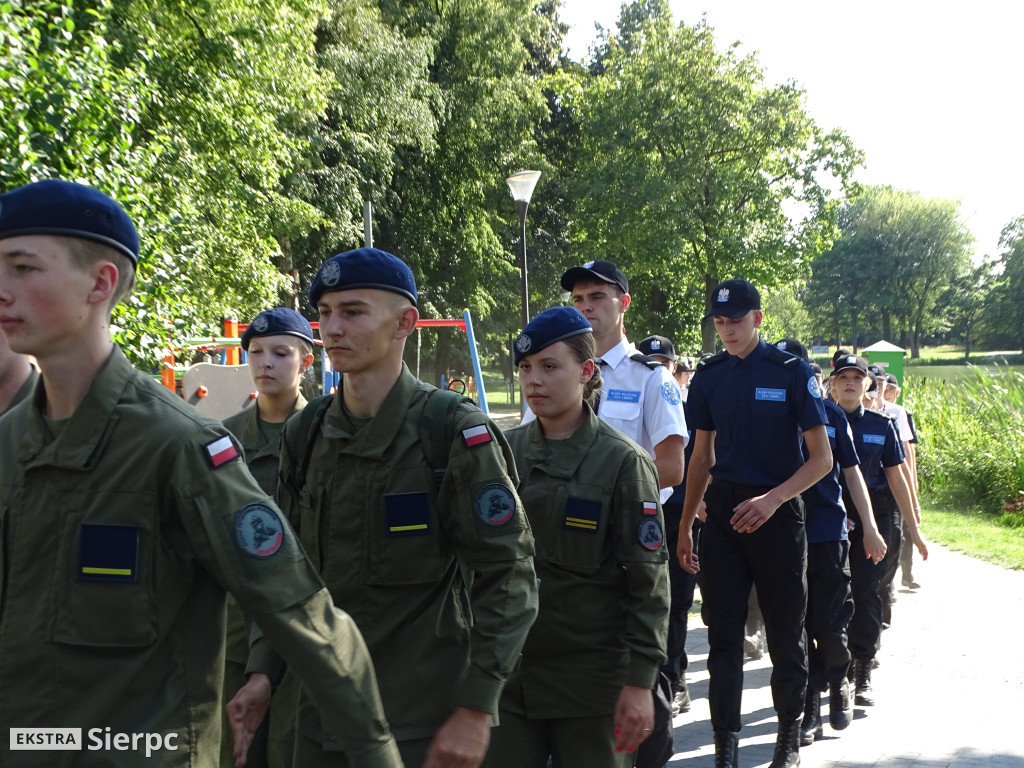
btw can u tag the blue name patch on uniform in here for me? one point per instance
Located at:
(259, 532)
(623, 396)
(876, 439)
(407, 514)
(670, 392)
(830, 430)
(108, 553)
(495, 505)
(773, 395)
(582, 514)
(650, 534)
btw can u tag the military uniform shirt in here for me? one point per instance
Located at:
(877, 445)
(602, 564)
(390, 548)
(24, 390)
(744, 401)
(826, 513)
(117, 540)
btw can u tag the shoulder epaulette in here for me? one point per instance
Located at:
(776, 355)
(886, 416)
(713, 360)
(650, 362)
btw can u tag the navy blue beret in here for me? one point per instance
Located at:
(279, 321)
(67, 209)
(363, 268)
(550, 326)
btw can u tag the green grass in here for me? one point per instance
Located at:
(983, 535)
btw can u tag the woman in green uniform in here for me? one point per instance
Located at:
(582, 693)
(279, 348)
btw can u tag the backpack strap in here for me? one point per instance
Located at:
(437, 430)
(307, 430)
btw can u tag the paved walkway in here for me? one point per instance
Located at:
(949, 691)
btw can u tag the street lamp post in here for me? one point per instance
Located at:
(521, 186)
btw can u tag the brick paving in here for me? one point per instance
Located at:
(949, 689)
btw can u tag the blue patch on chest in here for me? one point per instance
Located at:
(623, 396)
(771, 395)
(831, 431)
(876, 439)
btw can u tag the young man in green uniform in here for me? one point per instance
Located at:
(125, 515)
(430, 554)
(17, 377)
(279, 349)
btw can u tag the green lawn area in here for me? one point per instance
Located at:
(974, 533)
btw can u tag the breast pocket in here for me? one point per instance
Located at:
(105, 580)
(578, 530)
(405, 536)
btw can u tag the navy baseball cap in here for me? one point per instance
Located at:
(363, 268)
(794, 348)
(657, 345)
(550, 326)
(598, 269)
(850, 361)
(684, 363)
(279, 321)
(733, 299)
(67, 209)
(892, 380)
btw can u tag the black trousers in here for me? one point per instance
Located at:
(774, 559)
(681, 585)
(829, 609)
(869, 582)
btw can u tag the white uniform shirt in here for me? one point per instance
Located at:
(642, 402)
(903, 429)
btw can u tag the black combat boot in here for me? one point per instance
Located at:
(840, 705)
(862, 683)
(727, 749)
(810, 727)
(787, 745)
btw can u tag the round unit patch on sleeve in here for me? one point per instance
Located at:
(649, 534)
(671, 393)
(259, 531)
(813, 388)
(495, 505)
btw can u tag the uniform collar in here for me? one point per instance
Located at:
(855, 415)
(561, 458)
(377, 435)
(756, 355)
(617, 354)
(252, 435)
(77, 446)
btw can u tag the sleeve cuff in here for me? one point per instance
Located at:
(642, 671)
(481, 695)
(263, 658)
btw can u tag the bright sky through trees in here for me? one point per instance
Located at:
(929, 91)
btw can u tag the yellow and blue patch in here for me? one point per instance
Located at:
(582, 514)
(407, 514)
(108, 553)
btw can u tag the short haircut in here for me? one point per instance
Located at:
(85, 253)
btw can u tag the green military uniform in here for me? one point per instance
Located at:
(24, 390)
(390, 549)
(120, 530)
(592, 501)
(261, 446)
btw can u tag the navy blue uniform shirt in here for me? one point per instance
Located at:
(826, 514)
(757, 406)
(877, 445)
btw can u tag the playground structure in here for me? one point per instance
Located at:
(223, 388)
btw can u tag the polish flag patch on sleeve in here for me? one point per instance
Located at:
(476, 435)
(650, 508)
(220, 451)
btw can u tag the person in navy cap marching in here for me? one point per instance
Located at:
(581, 694)
(126, 517)
(405, 495)
(279, 349)
(749, 407)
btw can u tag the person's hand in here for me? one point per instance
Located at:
(634, 717)
(684, 551)
(920, 543)
(751, 514)
(245, 713)
(874, 546)
(461, 742)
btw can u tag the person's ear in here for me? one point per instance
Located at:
(104, 285)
